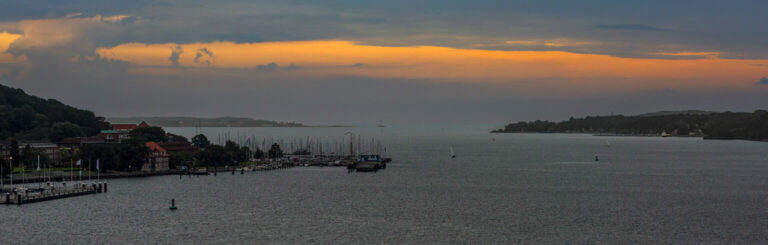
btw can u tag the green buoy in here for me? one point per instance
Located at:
(173, 204)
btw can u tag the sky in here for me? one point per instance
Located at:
(347, 62)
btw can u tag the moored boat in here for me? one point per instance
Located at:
(368, 163)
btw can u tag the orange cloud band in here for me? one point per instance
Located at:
(334, 58)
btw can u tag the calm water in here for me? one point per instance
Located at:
(520, 188)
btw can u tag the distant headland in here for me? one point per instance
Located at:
(204, 122)
(690, 123)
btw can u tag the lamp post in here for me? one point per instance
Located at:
(2, 183)
(11, 165)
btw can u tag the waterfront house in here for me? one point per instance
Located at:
(157, 160)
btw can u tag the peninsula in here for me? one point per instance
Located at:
(709, 125)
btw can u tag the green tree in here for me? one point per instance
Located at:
(200, 141)
(275, 151)
(214, 155)
(258, 154)
(65, 157)
(237, 153)
(156, 134)
(104, 153)
(4, 167)
(28, 117)
(27, 156)
(177, 159)
(62, 130)
(245, 154)
(132, 154)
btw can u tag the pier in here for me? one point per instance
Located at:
(22, 195)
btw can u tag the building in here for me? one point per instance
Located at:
(178, 147)
(120, 132)
(128, 127)
(157, 160)
(42, 147)
(75, 142)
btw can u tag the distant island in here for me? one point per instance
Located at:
(692, 123)
(204, 122)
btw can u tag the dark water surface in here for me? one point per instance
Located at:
(520, 188)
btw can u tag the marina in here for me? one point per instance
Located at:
(484, 195)
(51, 187)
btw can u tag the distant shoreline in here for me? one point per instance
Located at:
(691, 123)
(635, 135)
(181, 121)
(302, 126)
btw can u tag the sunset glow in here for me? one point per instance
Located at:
(6, 39)
(346, 58)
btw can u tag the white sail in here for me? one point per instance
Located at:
(452, 153)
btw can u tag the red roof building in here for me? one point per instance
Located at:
(123, 126)
(177, 147)
(129, 126)
(120, 132)
(158, 158)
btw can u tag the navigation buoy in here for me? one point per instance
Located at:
(173, 204)
(597, 159)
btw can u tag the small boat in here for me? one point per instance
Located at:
(381, 125)
(368, 163)
(453, 154)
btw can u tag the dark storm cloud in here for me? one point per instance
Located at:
(39, 9)
(631, 27)
(710, 25)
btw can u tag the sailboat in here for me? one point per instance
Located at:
(453, 154)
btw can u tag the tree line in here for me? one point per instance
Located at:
(27, 117)
(724, 125)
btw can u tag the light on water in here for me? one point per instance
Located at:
(501, 188)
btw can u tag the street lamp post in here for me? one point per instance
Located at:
(11, 174)
(2, 183)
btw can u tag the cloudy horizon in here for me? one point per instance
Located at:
(341, 62)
